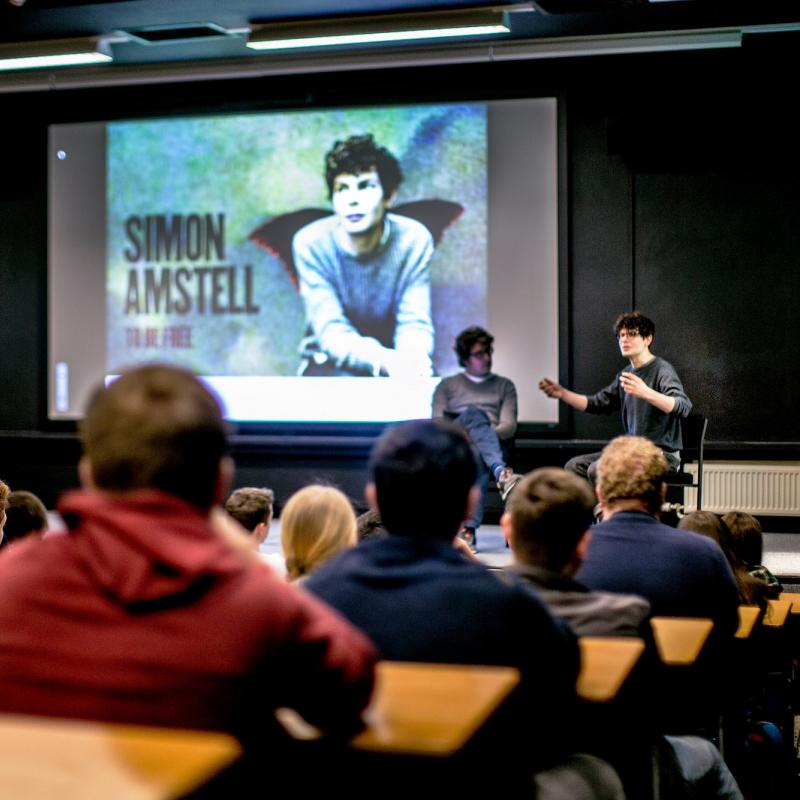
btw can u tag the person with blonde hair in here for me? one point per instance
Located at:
(318, 522)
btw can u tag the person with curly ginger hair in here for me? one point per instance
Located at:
(681, 574)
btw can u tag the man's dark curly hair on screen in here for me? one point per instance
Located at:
(360, 154)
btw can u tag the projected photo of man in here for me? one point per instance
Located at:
(364, 272)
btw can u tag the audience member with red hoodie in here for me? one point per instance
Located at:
(144, 613)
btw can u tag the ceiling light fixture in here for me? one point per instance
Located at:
(53, 53)
(377, 30)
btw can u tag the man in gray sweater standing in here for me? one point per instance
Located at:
(485, 405)
(648, 393)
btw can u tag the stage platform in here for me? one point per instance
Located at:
(781, 550)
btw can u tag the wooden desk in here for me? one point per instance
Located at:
(794, 599)
(605, 664)
(49, 759)
(431, 709)
(747, 620)
(679, 640)
(422, 709)
(777, 612)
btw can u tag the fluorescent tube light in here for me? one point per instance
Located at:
(377, 30)
(56, 53)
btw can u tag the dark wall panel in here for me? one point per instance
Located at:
(600, 258)
(717, 256)
(22, 277)
(681, 201)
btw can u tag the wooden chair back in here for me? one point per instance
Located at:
(423, 709)
(606, 662)
(747, 620)
(679, 640)
(777, 612)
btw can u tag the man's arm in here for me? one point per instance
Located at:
(327, 671)
(507, 425)
(439, 401)
(668, 395)
(555, 390)
(413, 338)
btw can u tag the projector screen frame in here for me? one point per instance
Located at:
(527, 429)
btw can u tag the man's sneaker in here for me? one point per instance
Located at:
(507, 483)
(468, 535)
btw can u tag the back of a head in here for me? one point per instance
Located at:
(707, 524)
(369, 525)
(316, 523)
(25, 515)
(631, 468)
(158, 427)
(423, 471)
(550, 511)
(747, 537)
(711, 525)
(250, 506)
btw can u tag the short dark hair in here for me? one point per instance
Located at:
(550, 511)
(468, 338)
(250, 506)
(747, 536)
(155, 426)
(360, 154)
(635, 321)
(423, 471)
(25, 514)
(369, 525)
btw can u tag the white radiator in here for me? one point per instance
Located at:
(754, 487)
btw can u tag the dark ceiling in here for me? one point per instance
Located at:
(44, 19)
(36, 20)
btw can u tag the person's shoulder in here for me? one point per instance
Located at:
(34, 562)
(407, 226)
(353, 558)
(452, 380)
(262, 599)
(518, 587)
(659, 364)
(501, 380)
(630, 604)
(317, 231)
(697, 543)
